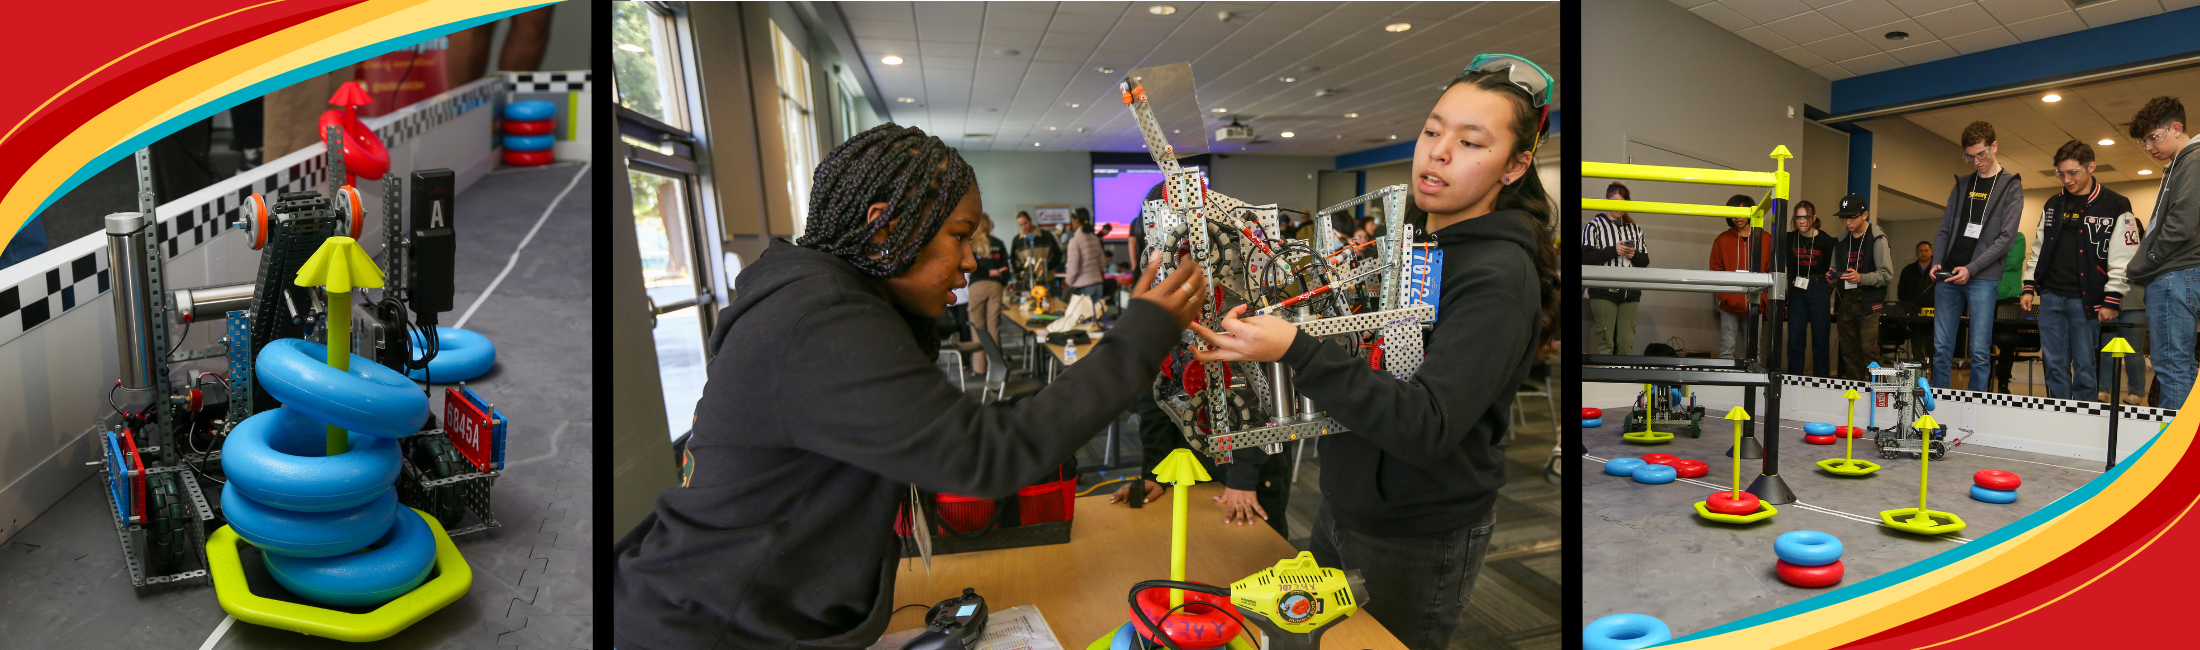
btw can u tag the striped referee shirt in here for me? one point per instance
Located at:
(1600, 240)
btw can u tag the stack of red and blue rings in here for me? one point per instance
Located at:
(1592, 418)
(528, 132)
(1995, 486)
(1808, 558)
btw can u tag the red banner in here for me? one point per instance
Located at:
(398, 79)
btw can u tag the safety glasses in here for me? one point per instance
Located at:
(1521, 72)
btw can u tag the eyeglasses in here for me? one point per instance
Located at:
(2156, 136)
(2068, 173)
(1969, 159)
(1521, 72)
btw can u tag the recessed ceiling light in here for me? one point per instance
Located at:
(1896, 36)
(1161, 10)
(1289, 134)
(2051, 98)
(992, 110)
(630, 47)
(1218, 110)
(1106, 70)
(890, 60)
(1075, 105)
(1397, 27)
(1034, 144)
(1290, 79)
(905, 100)
(1394, 137)
(2105, 142)
(2146, 172)
(1007, 52)
(1050, 128)
(1351, 114)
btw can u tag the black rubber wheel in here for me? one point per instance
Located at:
(166, 543)
(1939, 449)
(436, 458)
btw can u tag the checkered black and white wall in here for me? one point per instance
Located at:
(2049, 404)
(568, 81)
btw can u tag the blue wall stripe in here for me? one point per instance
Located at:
(2100, 48)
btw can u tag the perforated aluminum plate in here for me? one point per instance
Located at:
(1372, 320)
(1219, 447)
(1402, 348)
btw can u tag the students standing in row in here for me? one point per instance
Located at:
(1731, 252)
(1975, 234)
(1810, 302)
(1860, 268)
(2074, 272)
(1614, 239)
(2167, 256)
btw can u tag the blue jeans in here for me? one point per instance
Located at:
(2173, 299)
(2068, 340)
(1417, 586)
(1950, 302)
(2135, 365)
(1812, 308)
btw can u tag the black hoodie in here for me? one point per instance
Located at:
(1425, 455)
(823, 405)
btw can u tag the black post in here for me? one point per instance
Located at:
(1769, 487)
(2115, 406)
(1750, 447)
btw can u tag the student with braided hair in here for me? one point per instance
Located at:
(1410, 490)
(823, 408)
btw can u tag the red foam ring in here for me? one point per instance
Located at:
(1810, 577)
(1591, 414)
(1685, 468)
(1848, 432)
(1820, 440)
(530, 127)
(527, 158)
(1995, 479)
(1207, 624)
(1724, 502)
(1659, 459)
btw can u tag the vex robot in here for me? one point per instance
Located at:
(162, 438)
(1900, 388)
(1662, 405)
(1376, 306)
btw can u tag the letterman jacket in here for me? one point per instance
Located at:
(2112, 236)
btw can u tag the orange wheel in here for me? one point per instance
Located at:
(350, 195)
(257, 205)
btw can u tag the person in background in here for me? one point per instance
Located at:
(986, 285)
(2167, 256)
(1915, 291)
(2006, 340)
(2074, 271)
(1810, 303)
(1033, 252)
(1614, 239)
(1860, 269)
(1974, 238)
(1727, 254)
(1303, 227)
(1084, 260)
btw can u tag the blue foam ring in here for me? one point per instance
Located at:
(461, 355)
(1592, 423)
(530, 110)
(1929, 405)
(1622, 466)
(1653, 474)
(1807, 548)
(1991, 495)
(1126, 638)
(1624, 632)
(118, 474)
(368, 577)
(529, 142)
(367, 399)
(1818, 429)
(308, 534)
(277, 458)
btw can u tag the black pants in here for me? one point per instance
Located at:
(1416, 586)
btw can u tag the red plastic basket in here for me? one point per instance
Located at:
(1043, 503)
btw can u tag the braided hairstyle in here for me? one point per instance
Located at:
(918, 177)
(1525, 195)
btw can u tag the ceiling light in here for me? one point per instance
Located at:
(1397, 27)
(1351, 114)
(992, 110)
(1007, 52)
(1218, 110)
(630, 47)
(1896, 36)
(2105, 142)
(1290, 79)
(1075, 105)
(1161, 10)
(1289, 134)
(2146, 172)
(1106, 70)
(905, 100)
(2051, 98)
(1034, 144)
(1394, 137)
(890, 60)
(1050, 128)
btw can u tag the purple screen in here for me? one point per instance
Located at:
(1118, 192)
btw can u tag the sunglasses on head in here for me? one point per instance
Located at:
(1526, 75)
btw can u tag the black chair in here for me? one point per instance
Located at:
(1004, 387)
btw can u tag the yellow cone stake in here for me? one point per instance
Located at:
(1182, 470)
(1850, 453)
(1737, 415)
(1764, 510)
(1921, 520)
(338, 266)
(1848, 465)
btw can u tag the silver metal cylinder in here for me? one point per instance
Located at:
(211, 303)
(126, 233)
(1280, 399)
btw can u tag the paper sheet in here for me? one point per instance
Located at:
(1016, 628)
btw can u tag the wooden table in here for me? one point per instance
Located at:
(1015, 314)
(1081, 587)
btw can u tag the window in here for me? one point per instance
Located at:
(798, 128)
(646, 63)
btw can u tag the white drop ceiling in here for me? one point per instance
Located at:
(961, 78)
(2030, 130)
(1839, 39)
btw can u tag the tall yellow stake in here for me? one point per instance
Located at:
(1850, 433)
(1182, 470)
(338, 266)
(1737, 415)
